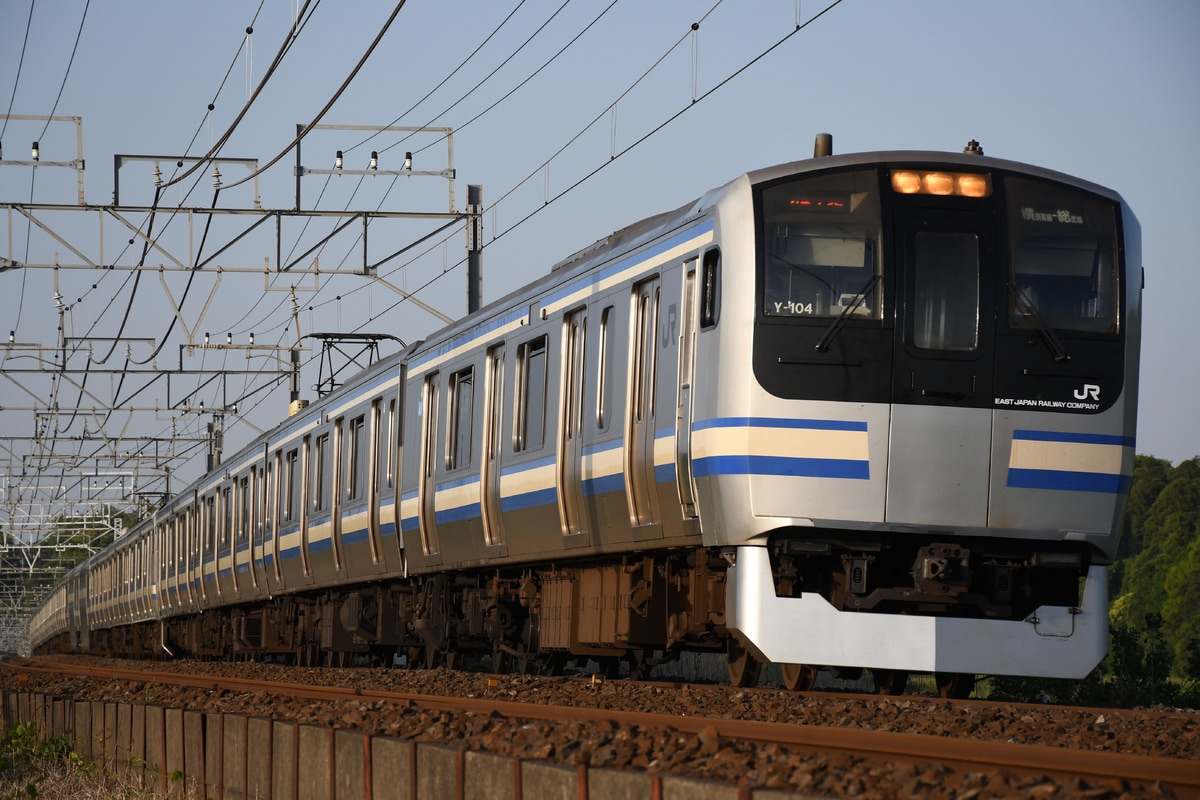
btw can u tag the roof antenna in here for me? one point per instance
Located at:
(823, 146)
(973, 148)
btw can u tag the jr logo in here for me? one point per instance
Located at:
(1089, 391)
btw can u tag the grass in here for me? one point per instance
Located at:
(33, 767)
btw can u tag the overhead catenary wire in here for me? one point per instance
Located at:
(464, 96)
(20, 67)
(148, 242)
(619, 153)
(208, 157)
(328, 105)
(275, 380)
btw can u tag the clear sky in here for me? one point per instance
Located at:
(1106, 90)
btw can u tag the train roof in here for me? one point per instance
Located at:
(622, 242)
(629, 238)
(913, 157)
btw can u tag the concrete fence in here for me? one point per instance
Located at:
(232, 756)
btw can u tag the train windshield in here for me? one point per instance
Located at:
(822, 254)
(1064, 265)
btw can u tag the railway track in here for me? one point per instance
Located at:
(475, 714)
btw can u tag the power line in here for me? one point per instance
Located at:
(67, 74)
(20, 65)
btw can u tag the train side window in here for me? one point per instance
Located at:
(320, 486)
(388, 444)
(181, 530)
(531, 398)
(356, 455)
(210, 524)
(391, 441)
(270, 500)
(604, 391)
(227, 506)
(291, 505)
(243, 522)
(462, 412)
(378, 446)
(710, 289)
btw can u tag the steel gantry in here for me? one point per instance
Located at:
(102, 400)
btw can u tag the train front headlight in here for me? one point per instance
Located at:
(942, 184)
(906, 182)
(939, 183)
(974, 185)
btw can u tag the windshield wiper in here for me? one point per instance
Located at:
(1027, 308)
(858, 300)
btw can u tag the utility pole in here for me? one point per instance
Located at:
(474, 247)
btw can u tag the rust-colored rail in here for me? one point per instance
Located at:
(1182, 776)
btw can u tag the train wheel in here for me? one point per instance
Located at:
(955, 685)
(609, 666)
(743, 667)
(502, 661)
(637, 660)
(798, 677)
(890, 681)
(414, 657)
(308, 655)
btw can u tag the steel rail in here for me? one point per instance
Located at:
(1181, 775)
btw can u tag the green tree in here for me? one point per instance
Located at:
(1181, 610)
(1168, 528)
(1150, 476)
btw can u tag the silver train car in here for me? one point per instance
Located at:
(870, 411)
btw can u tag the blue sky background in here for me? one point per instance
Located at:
(1106, 90)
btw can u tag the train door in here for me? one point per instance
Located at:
(334, 492)
(640, 484)
(942, 387)
(258, 476)
(389, 470)
(427, 485)
(375, 443)
(570, 439)
(207, 534)
(683, 411)
(229, 534)
(305, 482)
(276, 494)
(489, 479)
(193, 555)
(264, 515)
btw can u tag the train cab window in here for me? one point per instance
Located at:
(531, 395)
(946, 289)
(1064, 265)
(462, 412)
(820, 247)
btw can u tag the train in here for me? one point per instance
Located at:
(859, 412)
